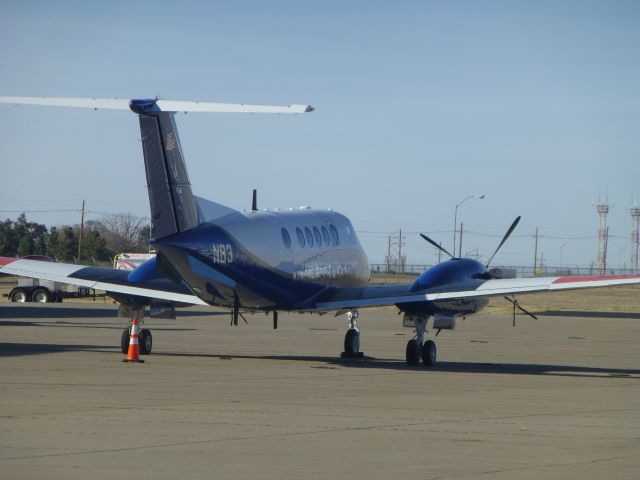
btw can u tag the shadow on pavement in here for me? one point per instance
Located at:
(453, 367)
(17, 349)
(585, 314)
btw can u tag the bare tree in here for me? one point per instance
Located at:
(123, 232)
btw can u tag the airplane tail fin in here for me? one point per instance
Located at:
(173, 207)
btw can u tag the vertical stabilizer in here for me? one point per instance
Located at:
(173, 208)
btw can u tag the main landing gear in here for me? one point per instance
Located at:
(417, 348)
(352, 337)
(145, 340)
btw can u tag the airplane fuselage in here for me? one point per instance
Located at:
(267, 259)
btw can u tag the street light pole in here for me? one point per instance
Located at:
(561, 249)
(455, 218)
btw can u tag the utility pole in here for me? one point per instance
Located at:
(460, 247)
(81, 231)
(535, 254)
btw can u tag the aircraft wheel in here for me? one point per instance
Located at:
(429, 353)
(40, 295)
(19, 295)
(124, 341)
(146, 341)
(352, 342)
(413, 355)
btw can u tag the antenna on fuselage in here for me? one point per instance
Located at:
(254, 203)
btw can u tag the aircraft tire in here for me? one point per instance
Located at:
(413, 354)
(124, 341)
(19, 295)
(429, 353)
(40, 295)
(146, 341)
(352, 342)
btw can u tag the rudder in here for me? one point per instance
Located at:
(173, 208)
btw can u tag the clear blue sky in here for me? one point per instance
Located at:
(419, 104)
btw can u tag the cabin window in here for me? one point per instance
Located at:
(334, 235)
(286, 238)
(317, 237)
(300, 237)
(308, 236)
(325, 236)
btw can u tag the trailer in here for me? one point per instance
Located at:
(43, 291)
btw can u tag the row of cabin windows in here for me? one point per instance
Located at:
(308, 237)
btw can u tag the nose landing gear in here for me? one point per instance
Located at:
(352, 337)
(418, 349)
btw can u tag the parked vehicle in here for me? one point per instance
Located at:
(43, 291)
(131, 261)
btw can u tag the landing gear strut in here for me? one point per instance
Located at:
(417, 348)
(352, 337)
(145, 341)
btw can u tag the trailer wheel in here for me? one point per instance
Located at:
(40, 295)
(19, 295)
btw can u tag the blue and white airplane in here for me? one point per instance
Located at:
(300, 260)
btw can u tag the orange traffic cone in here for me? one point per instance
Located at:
(133, 355)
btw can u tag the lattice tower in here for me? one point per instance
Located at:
(635, 237)
(603, 236)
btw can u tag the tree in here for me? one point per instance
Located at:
(94, 246)
(123, 232)
(22, 237)
(68, 244)
(8, 239)
(53, 243)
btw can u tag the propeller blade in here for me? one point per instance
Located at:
(504, 239)
(439, 247)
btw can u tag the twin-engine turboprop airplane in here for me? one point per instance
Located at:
(298, 260)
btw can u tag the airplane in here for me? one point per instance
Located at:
(297, 260)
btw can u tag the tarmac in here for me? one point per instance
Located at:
(557, 397)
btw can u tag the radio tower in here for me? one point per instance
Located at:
(603, 235)
(635, 236)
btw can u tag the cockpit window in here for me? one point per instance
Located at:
(300, 237)
(325, 236)
(308, 236)
(334, 235)
(286, 238)
(317, 237)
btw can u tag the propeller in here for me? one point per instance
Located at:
(504, 239)
(515, 304)
(439, 247)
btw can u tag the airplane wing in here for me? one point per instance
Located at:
(377, 296)
(107, 279)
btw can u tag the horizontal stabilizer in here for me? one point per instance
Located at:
(159, 105)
